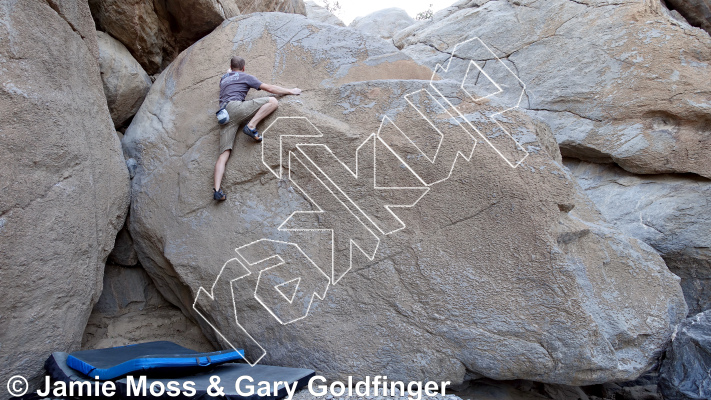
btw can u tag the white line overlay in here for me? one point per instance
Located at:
(325, 183)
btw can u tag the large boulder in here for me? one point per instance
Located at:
(285, 6)
(155, 31)
(126, 84)
(671, 213)
(617, 82)
(131, 310)
(687, 362)
(384, 23)
(490, 273)
(65, 184)
(697, 12)
(318, 13)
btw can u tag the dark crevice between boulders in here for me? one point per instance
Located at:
(132, 310)
(695, 275)
(661, 121)
(696, 12)
(643, 388)
(595, 156)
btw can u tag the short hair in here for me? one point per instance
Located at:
(237, 63)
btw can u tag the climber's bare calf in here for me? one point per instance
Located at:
(263, 111)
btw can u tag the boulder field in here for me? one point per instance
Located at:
(411, 214)
(374, 231)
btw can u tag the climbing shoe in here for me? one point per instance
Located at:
(252, 133)
(219, 195)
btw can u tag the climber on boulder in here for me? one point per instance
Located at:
(234, 110)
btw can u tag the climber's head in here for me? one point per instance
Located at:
(237, 63)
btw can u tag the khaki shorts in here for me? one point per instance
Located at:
(239, 111)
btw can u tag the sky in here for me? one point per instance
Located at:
(360, 8)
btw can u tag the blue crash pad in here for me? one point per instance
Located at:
(147, 358)
(56, 366)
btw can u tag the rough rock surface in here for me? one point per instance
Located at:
(492, 274)
(155, 31)
(697, 12)
(78, 16)
(126, 84)
(131, 310)
(488, 389)
(64, 187)
(617, 81)
(318, 13)
(285, 6)
(518, 390)
(384, 23)
(671, 213)
(685, 369)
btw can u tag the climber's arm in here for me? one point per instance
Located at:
(278, 89)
